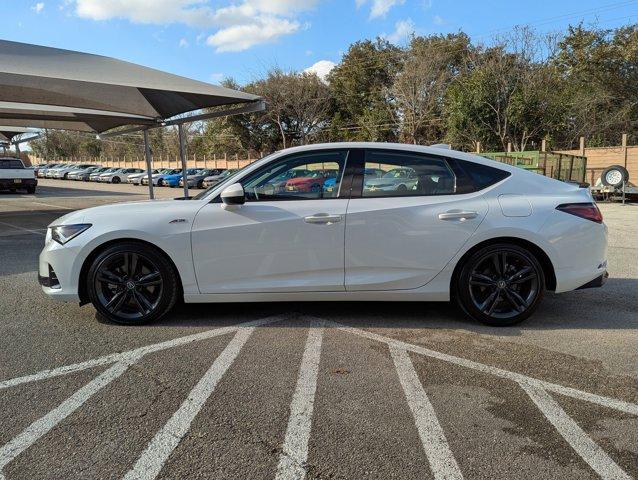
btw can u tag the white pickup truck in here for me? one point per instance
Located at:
(14, 175)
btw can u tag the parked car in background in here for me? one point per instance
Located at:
(80, 172)
(158, 178)
(42, 170)
(118, 176)
(330, 185)
(63, 172)
(174, 180)
(136, 178)
(397, 179)
(93, 177)
(50, 173)
(493, 237)
(42, 167)
(196, 180)
(215, 179)
(279, 182)
(313, 182)
(14, 175)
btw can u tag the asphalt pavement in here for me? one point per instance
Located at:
(311, 390)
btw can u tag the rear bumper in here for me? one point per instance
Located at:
(24, 182)
(596, 282)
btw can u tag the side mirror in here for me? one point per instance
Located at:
(234, 195)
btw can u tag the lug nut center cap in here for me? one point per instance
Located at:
(130, 285)
(501, 284)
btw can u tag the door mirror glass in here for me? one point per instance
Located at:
(234, 195)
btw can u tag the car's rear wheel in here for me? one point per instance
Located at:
(500, 285)
(160, 183)
(116, 180)
(131, 283)
(30, 189)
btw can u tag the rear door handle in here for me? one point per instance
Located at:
(322, 219)
(458, 215)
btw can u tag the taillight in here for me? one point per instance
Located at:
(588, 211)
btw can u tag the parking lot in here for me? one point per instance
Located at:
(314, 390)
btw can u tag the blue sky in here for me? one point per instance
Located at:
(212, 39)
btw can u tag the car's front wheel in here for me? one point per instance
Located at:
(131, 283)
(500, 285)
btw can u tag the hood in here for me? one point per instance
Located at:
(385, 181)
(135, 212)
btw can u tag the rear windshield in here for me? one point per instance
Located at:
(6, 163)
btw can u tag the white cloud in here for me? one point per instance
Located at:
(438, 20)
(379, 8)
(216, 77)
(322, 68)
(183, 43)
(241, 24)
(38, 7)
(402, 30)
(245, 35)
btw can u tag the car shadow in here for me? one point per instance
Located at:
(582, 309)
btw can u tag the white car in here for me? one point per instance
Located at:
(491, 236)
(63, 173)
(118, 176)
(136, 179)
(51, 172)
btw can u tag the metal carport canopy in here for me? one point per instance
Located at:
(53, 88)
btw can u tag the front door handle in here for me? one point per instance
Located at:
(322, 219)
(458, 215)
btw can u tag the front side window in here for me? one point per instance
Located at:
(401, 174)
(313, 175)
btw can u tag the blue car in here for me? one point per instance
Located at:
(173, 180)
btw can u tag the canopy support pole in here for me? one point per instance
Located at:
(149, 160)
(182, 155)
(17, 145)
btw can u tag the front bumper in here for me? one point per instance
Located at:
(58, 271)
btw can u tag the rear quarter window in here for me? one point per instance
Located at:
(472, 177)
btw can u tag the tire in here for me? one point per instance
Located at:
(30, 189)
(495, 298)
(614, 176)
(200, 184)
(116, 180)
(402, 188)
(160, 183)
(115, 288)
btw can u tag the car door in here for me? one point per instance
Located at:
(401, 235)
(287, 240)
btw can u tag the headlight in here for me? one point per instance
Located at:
(63, 233)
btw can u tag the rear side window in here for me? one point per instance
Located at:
(472, 177)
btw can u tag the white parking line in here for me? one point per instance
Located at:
(608, 402)
(437, 450)
(115, 357)
(35, 232)
(54, 206)
(41, 426)
(150, 463)
(292, 461)
(588, 450)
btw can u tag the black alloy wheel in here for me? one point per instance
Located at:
(501, 285)
(131, 283)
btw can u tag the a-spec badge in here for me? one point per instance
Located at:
(179, 220)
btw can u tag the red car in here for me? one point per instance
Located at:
(313, 182)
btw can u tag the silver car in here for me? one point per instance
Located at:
(118, 176)
(395, 180)
(137, 178)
